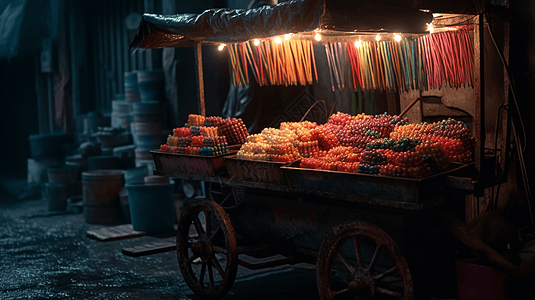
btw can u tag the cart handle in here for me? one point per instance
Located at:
(409, 107)
(324, 106)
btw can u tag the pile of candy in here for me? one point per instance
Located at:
(234, 129)
(203, 136)
(387, 145)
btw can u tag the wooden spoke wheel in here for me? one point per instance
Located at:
(225, 195)
(358, 260)
(207, 249)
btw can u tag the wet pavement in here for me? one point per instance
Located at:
(49, 256)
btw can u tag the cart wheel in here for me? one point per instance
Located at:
(358, 260)
(207, 247)
(225, 195)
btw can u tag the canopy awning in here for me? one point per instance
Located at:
(296, 16)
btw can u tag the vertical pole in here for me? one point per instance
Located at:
(504, 147)
(200, 79)
(479, 85)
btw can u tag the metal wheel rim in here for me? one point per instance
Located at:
(351, 231)
(222, 231)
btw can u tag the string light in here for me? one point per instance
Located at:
(358, 43)
(287, 37)
(397, 37)
(256, 42)
(317, 37)
(221, 47)
(430, 27)
(377, 37)
(277, 40)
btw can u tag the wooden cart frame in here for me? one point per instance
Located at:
(359, 234)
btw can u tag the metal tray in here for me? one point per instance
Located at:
(255, 170)
(176, 164)
(370, 186)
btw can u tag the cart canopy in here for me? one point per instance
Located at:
(239, 25)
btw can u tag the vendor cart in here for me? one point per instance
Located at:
(369, 236)
(352, 225)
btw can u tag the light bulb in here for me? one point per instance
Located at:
(397, 37)
(221, 47)
(256, 42)
(277, 40)
(377, 37)
(317, 37)
(430, 27)
(287, 37)
(358, 43)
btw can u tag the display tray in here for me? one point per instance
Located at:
(255, 170)
(365, 185)
(174, 163)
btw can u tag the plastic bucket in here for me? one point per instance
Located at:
(62, 174)
(152, 207)
(144, 154)
(121, 107)
(156, 179)
(101, 196)
(134, 175)
(151, 85)
(101, 162)
(56, 195)
(48, 145)
(130, 79)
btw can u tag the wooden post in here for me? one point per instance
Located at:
(479, 86)
(200, 79)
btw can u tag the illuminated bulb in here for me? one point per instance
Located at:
(377, 37)
(287, 37)
(358, 44)
(317, 37)
(256, 42)
(430, 27)
(221, 47)
(278, 40)
(397, 37)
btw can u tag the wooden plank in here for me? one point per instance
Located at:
(200, 79)
(165, 245)
(115, 233)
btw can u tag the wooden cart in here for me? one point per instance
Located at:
(369, 236)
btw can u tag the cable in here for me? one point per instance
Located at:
(511, 83)
(519, 147)
(524, 173)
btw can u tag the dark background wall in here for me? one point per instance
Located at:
(93, 38)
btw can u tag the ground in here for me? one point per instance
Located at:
(49, 256)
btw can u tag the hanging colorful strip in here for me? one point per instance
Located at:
(288, 62)
(430, 62)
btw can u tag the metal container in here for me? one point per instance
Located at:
(172, 163)
(101, 196)
(371, 186)
(62, 174)
(255, 170)
(152, 207)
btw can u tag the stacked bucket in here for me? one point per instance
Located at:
(148, 128)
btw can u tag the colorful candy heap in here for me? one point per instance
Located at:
(270, 145)
(359, 130)
(235, 131)
(195, 120)
(453, 137)
(341, 158)
(388, 146)
(213, 121)
(196, 140)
